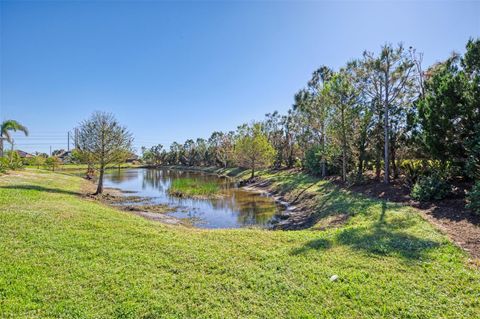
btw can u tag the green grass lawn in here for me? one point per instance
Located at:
(190, 187)
(62, 256)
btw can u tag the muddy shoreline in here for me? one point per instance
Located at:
(297, 213)
(141, 206)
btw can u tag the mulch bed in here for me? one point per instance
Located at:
(449, 214)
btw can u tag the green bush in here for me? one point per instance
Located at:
(52, 162)
(472, 146)
(313, 160)
(473, 198)
(430, 187)
(413, 170)
(3, 164)
(37, 160)
(14, 160)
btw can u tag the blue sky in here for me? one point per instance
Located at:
(177, 70)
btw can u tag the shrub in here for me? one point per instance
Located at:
(52, 162)
(3, 164)
(430, 187)
(313, 161)
(473, 198)
(473, 151)
(14, 160)
(38, 161)
(413, 170)
(314, 156)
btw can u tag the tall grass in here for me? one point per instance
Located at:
(189, 187)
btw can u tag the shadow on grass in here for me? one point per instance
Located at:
(378, 239)
(316, 244)
(41, 189)
(331, 201)
(288, 181)
(383, 234)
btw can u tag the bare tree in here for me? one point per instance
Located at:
(104, 141)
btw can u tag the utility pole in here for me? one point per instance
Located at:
(76, 138)
(50, 150)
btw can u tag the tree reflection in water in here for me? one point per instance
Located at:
(237, 208)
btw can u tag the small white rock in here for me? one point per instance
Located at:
(334, 277)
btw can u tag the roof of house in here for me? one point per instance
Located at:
(64, 154)
(23, 154)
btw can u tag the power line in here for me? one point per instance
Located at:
(33, 144)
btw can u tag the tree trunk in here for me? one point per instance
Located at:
(291, 161)
(386, 177)
(378, 167)
(344, 147)
(100, 182)
(393, 159)
(362, 146)
(378, 145)
(324, 142)
(360, 166)
(1, 146)
(253, 172)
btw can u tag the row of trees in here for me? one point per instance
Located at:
(248, 147)
(380, 112)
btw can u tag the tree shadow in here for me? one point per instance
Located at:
(376, 240)
(40, 189)
(316, 244)
(382, 241)
(382, 236)
(288, 182)
(336, 201)
(300, 194)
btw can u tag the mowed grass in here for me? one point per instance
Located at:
(62, 256)
(191, 187)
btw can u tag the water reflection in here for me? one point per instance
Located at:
(238, 208)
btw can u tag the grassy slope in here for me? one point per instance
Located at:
(64, 256)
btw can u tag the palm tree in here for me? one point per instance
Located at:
(5, 128)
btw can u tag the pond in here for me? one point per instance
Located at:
(236, 207)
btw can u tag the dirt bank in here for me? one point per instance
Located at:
(141, 206)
